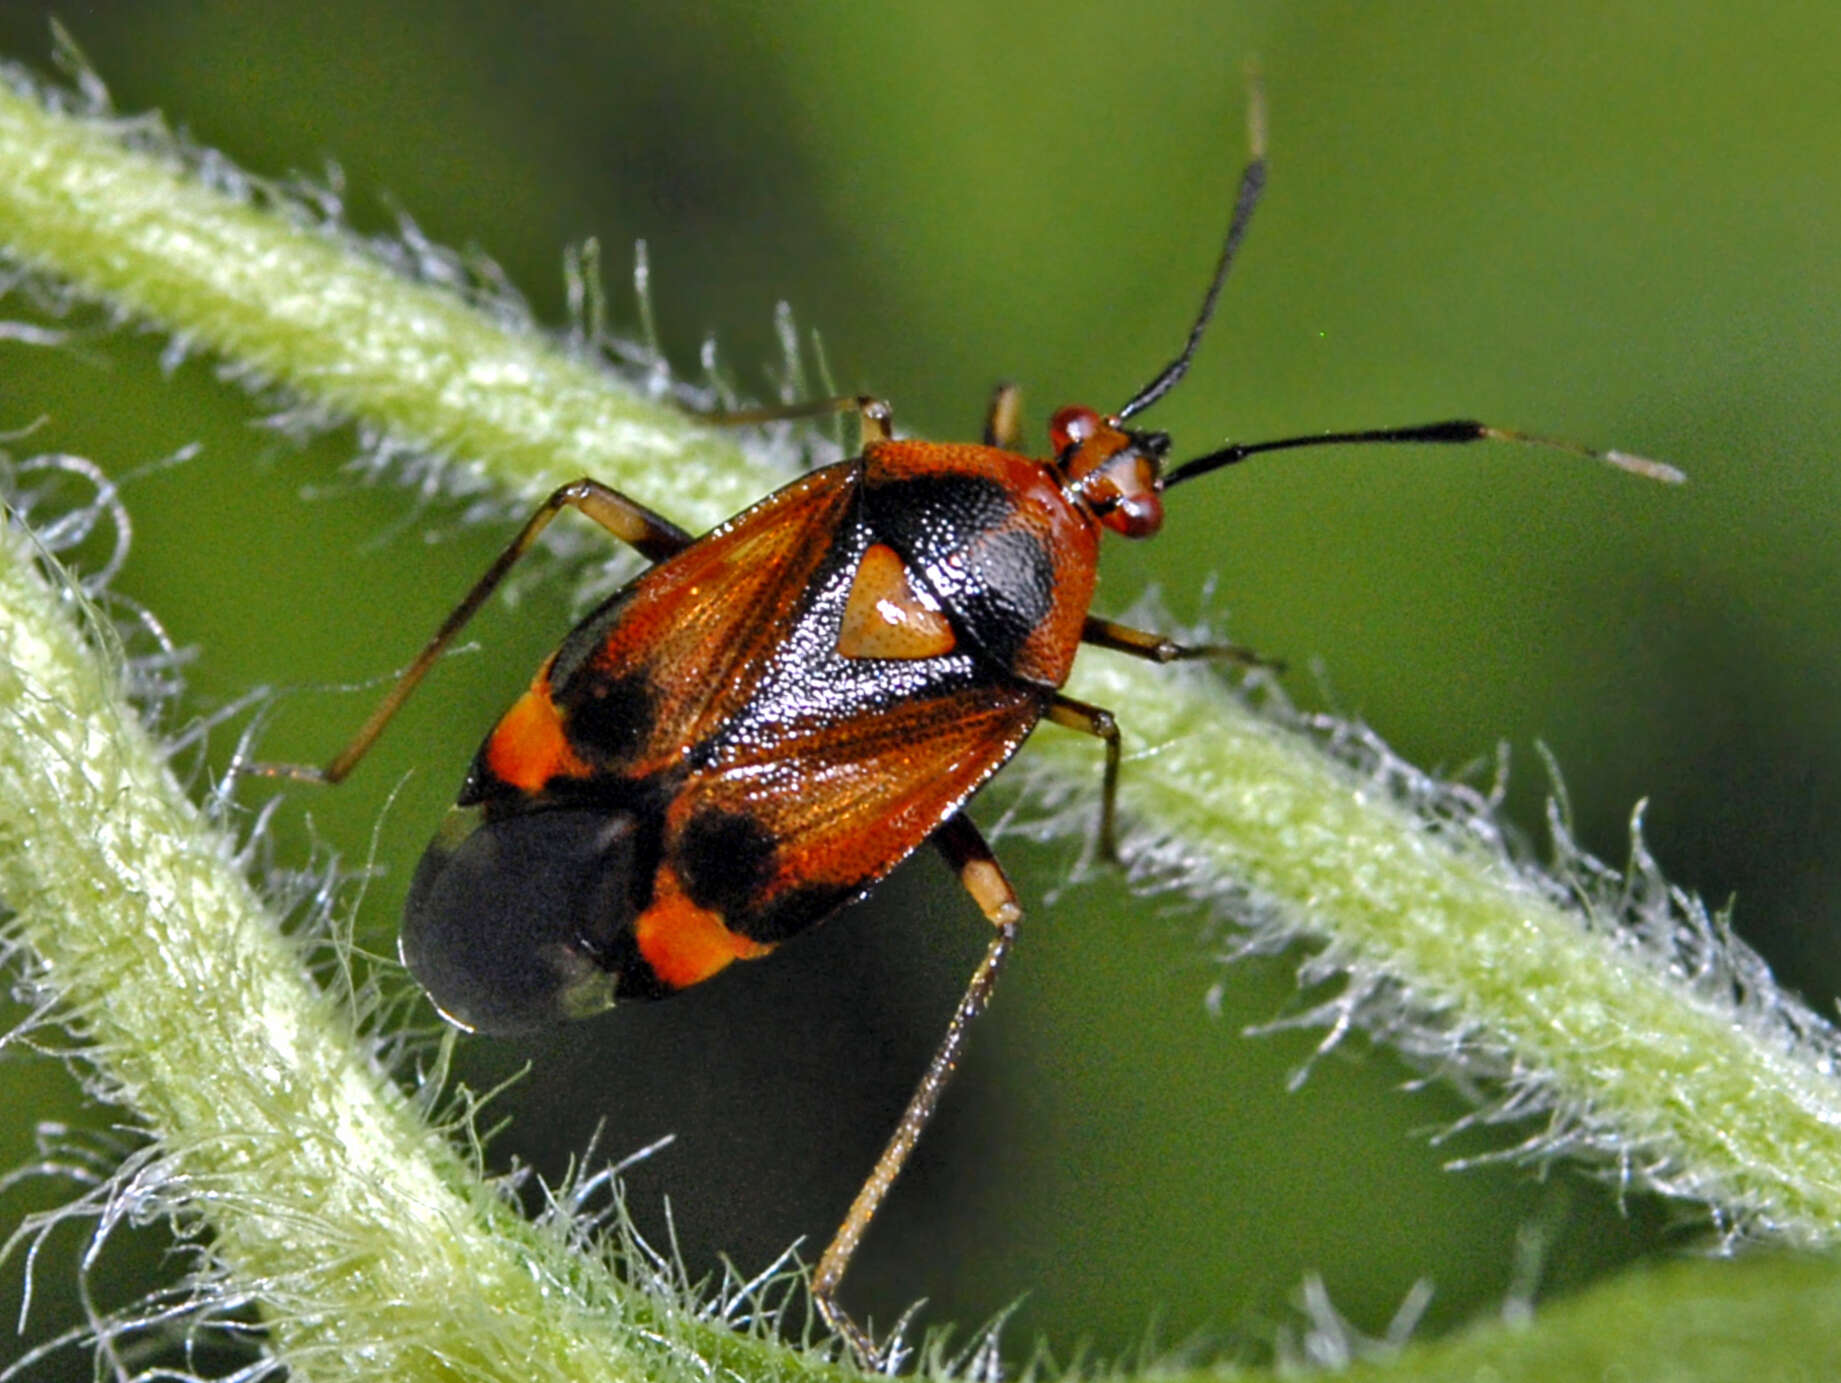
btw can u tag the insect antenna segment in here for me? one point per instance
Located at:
(1246, 200)
(1457, 430)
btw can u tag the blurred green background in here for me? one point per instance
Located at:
(1617, 222)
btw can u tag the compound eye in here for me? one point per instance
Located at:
(1135, 516)
(1072, 426)
(511, 924)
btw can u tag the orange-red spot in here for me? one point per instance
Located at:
(528, 746)
(684, 943)
(887, 616)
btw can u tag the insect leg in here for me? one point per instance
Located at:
(875, 413)
(655, 537)
(1002, 418)
(1096, 720)
(966, 851)
(1158, 648)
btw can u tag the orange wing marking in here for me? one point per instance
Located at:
(685, 944)
(887, 616)
(528, 747)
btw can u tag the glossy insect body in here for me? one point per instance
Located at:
(773, 716)
(757, 729)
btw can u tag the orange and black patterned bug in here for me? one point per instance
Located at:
(773, 716)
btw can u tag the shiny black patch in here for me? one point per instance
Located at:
(724, 860)
(929, 519)
(791, 912)
(995, 581)
(608, 719)
(1010, 591)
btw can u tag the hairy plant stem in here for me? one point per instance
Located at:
(312, 1171)
(380, 1254)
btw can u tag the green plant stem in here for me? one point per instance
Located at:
(1764, 1321)
(1662, 1074)
(300, 306)
(380, 1254)
(1731, 1109)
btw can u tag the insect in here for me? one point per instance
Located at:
(774, 715)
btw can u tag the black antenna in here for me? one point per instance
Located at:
(1458, 430)
(1252, 184)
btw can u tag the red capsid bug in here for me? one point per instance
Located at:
(771, 717)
